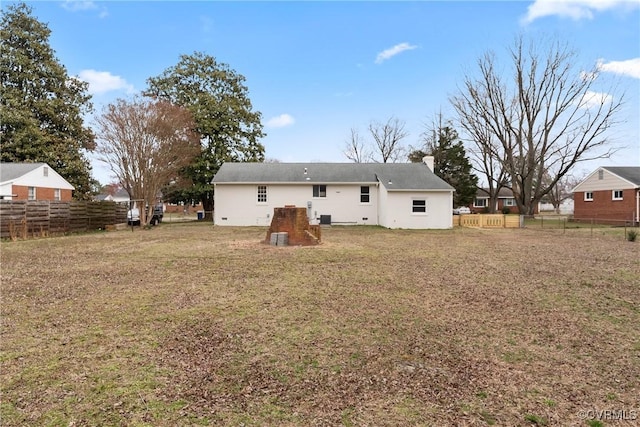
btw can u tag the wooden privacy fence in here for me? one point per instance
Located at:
(488, 221)
(25, 218)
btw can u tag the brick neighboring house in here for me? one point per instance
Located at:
(609, 194)
(33, 181)
(505, 199)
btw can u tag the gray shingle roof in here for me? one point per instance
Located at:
(11, 171)
(504, 193)
(630, 173)
(394, 176)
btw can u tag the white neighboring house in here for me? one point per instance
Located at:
(393, 195)
(120, 196)
(33, 181)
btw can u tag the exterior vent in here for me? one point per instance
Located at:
(325, 219)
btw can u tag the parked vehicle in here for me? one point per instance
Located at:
(133, 216)
(462, 210)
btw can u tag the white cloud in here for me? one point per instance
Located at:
(574, 9)
(630, 67)
(82, 5)
(281, 121)
(593, 99)
(393, 51)
(104, 81)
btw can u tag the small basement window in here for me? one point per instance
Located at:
(616, 195)
(419, 206)
(588, 196)
(319, 191)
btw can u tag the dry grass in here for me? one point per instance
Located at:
(188, 324)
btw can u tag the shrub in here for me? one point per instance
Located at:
(631, 235)
(506, 210)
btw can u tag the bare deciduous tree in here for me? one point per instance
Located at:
(146, 143)
(386, 145)
(387, 138)
(548, 117)
(561, 191)
(486, 154)
(356, 149)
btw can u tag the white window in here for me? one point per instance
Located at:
(480, 203)
(32, 193)
(262, 194)
(588, 196)
(45, 171)
(510, 202)
(56, 194)
(600, 174)
(319, 191)
(364, 194)
(616, 194)
(419, 206)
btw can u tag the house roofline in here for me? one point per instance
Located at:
(635, 186)
(295, 182)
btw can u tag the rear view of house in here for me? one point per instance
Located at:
(609, 195)
(398, 195)
(33, 181)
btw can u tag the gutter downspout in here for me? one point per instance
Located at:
(213, 214)
(638, 206)
(378, 201)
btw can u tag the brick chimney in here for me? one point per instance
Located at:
(293, 220)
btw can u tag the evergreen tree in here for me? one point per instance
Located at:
(219, 101)
(41, 107)
(450, 162)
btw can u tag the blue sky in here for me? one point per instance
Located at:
(317, 69)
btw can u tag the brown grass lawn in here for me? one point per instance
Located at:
(191, 324)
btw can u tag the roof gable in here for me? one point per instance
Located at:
(32, 174)
(394, 176)
(614, 177)
(628, 173)
(12, 171)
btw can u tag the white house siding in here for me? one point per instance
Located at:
(609, 181)
(6, 191)
(37, 178)
(237, 204)
(383, 199)
(398, 210)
